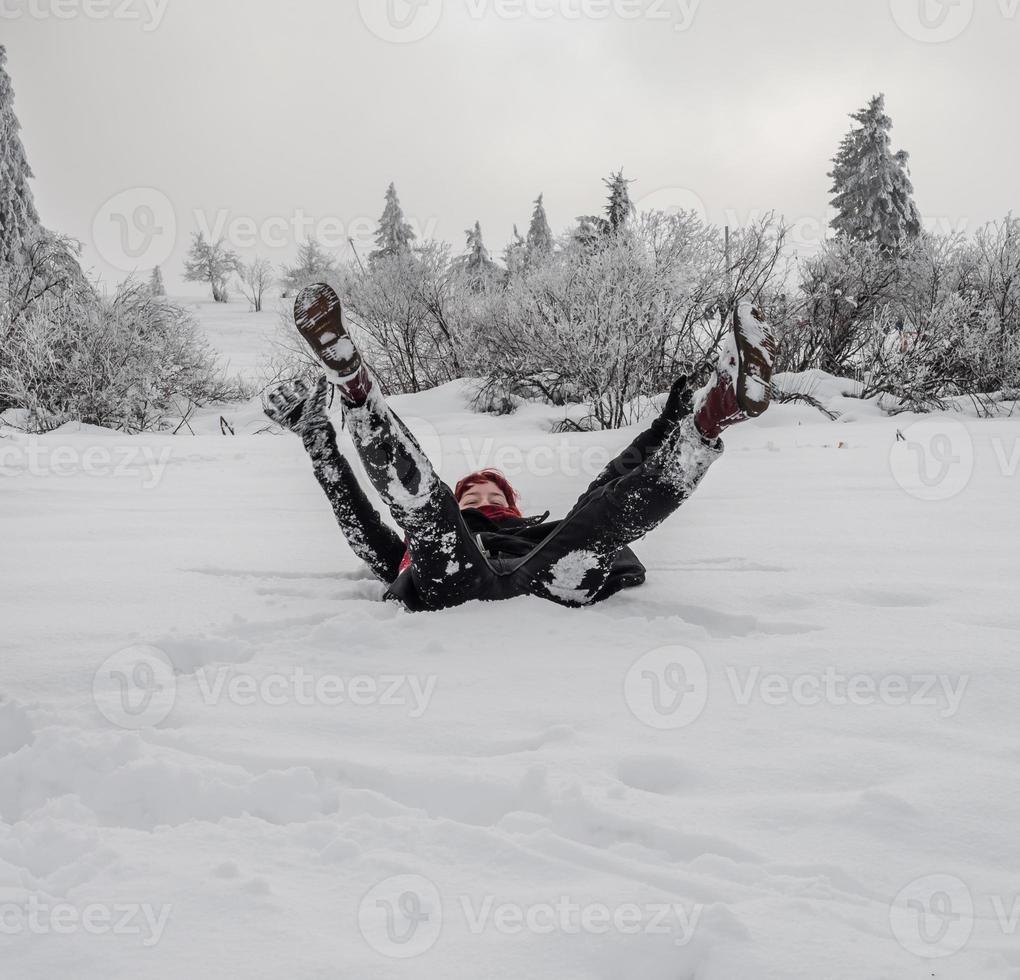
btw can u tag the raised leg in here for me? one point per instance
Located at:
(446, 561)
(301, 408)
(678, 406)
(573, 564)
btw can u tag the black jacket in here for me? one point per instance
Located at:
(512, 548)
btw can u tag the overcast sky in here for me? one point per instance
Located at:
(146, 119)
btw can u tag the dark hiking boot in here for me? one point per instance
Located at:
(319, 319)
(742, 385)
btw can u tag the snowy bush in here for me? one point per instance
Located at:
(608, 320)
(954, 321)
(132, 361)
(405, 308)
(843, 291)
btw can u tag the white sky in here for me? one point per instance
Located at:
(253, 109)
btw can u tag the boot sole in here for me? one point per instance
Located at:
(318, 316)
(756, 348)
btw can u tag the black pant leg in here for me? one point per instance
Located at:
(572, 565)
(678, 406)
(370, 538)
(446, 561)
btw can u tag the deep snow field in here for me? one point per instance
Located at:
(793, 754)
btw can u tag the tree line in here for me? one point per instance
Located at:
(605, 313)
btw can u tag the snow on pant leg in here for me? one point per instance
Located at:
(370, 538)
(572, 566)
(446, 563)
(678, 406)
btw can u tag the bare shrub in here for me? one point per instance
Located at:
(131, 361)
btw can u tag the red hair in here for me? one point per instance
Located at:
(489, 476)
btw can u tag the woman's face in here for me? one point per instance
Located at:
(483, 495)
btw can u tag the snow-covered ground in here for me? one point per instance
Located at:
(790, 755)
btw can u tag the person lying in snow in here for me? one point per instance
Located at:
(472, 542)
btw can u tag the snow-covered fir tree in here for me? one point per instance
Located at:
(395, 235)
(156, 284)
(211, 262)
(873, 195)
(619, 209)
(314, 264)
(18, 216)
(540, 236)
(592, 229)
(515, 255)
(476, 263)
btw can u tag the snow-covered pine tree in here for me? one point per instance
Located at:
(395, 235)
(515, 255)
(156, 284)
(213, 263)
(18, 216)
(476, 263)
(540, 236)
(594, 229)
(873, 195)
(619, 209)
(314, 264)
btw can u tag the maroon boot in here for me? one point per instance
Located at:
(741, 388)
(320, 320)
